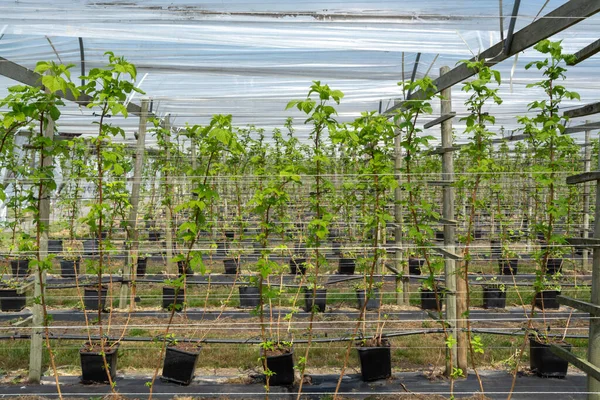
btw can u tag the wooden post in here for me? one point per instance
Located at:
(169, 182)
(593, 385)
(402, 284)
(587, 162)
(450, 274)
(37, 331)
(129, 270)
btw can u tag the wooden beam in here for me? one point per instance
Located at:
(440, 183)
(588, 109)
(439, 120)
(584, 365)
(579, 305)
(586, 52)
(581, 128)
(552, 23)
(442, 150)
(447, 253)
(583, 177)
(583, 242)
(31, 78)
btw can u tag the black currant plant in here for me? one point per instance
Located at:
(108, 88)
(551, 149)
(544, 135)
(321, 115)
(479, 170)
(372, 137)
(269, 196)
(39, 108)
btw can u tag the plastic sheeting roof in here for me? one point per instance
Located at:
(249, 58)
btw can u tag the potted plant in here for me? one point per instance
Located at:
(431, 297)
(375, 358)
(279, 359)
(298, 265)
(180, 361)
(315, 298)
(494, 294)
(546, 290)
(369, 293)
(71, 259)
(542, 360)
(415, 264)
(347, 263)
(250, 293)
(20, 264)
(509, 262)
(11, 299)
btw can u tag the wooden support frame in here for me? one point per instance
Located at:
(588, 109)
(439, 120)
(26, 76)
(585, 53)
(581, 128)
(584, 365)
(579, 304)
(584, 242)
(584, 177)
(550, 24)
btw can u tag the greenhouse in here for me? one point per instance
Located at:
(300, 200)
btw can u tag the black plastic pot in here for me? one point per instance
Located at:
(90, 298)
(428, 300)
(142, 263)
(414, 265)
(319, 301)
(232, 266)
(545, 363)
(336, 248)
(10, 300)
(346, 266)
(282, 367)
(494, 297)
(375, 362)
(55, 246)
(249, 296)
(439, 235)
(508, 267)
(546, 299)
(298, 266)
(478, 234)
(69, 268)
(90, 247)
(183, 266)
(257, 248)
(554, 265)
(20, 268)
(229, 234)
(496, 248)
(92, 365)
(373, 302)
(222, 249)
(179, 365)
(153, 236)
(168, 298)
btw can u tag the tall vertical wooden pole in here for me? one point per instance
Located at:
(587, 163)
(37, 331)
(593, 385)
(169, 182)
(402, 284)
(129, 270)
(456, 289)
